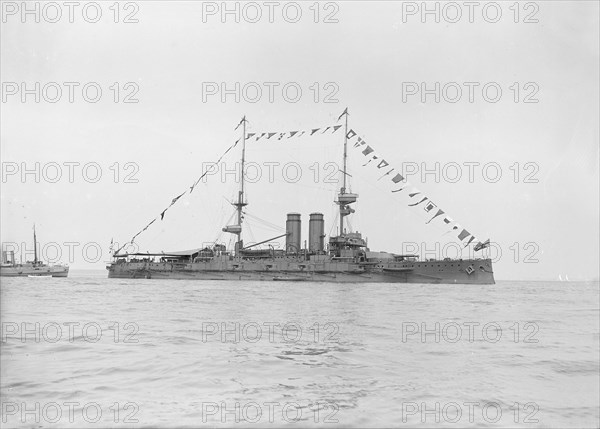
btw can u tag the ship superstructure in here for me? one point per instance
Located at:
(345, 258)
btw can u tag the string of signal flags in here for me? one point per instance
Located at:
(372, 158)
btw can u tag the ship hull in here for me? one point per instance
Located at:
(437, 272)
(16, 271)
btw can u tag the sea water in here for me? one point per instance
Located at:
(88, 351)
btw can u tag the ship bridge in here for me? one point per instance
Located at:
(348, 246)
(349, 239)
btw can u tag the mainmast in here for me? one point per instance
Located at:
(240, 203)
(344, 198)
(35, 259)
(345, 148)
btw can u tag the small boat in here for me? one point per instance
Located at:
(35, 268)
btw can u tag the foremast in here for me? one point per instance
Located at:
(241, 201)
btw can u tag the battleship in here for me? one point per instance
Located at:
(35, 268)
(345, 258)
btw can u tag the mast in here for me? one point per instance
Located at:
(345, 198)
(240, 203)
(35, 259)
(343, 190)
(345, 150)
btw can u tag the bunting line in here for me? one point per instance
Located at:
(255, 136)
(399, 180)
(175, 199)
(295, 133)
(367, 151)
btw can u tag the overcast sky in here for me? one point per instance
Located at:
(541, 131)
